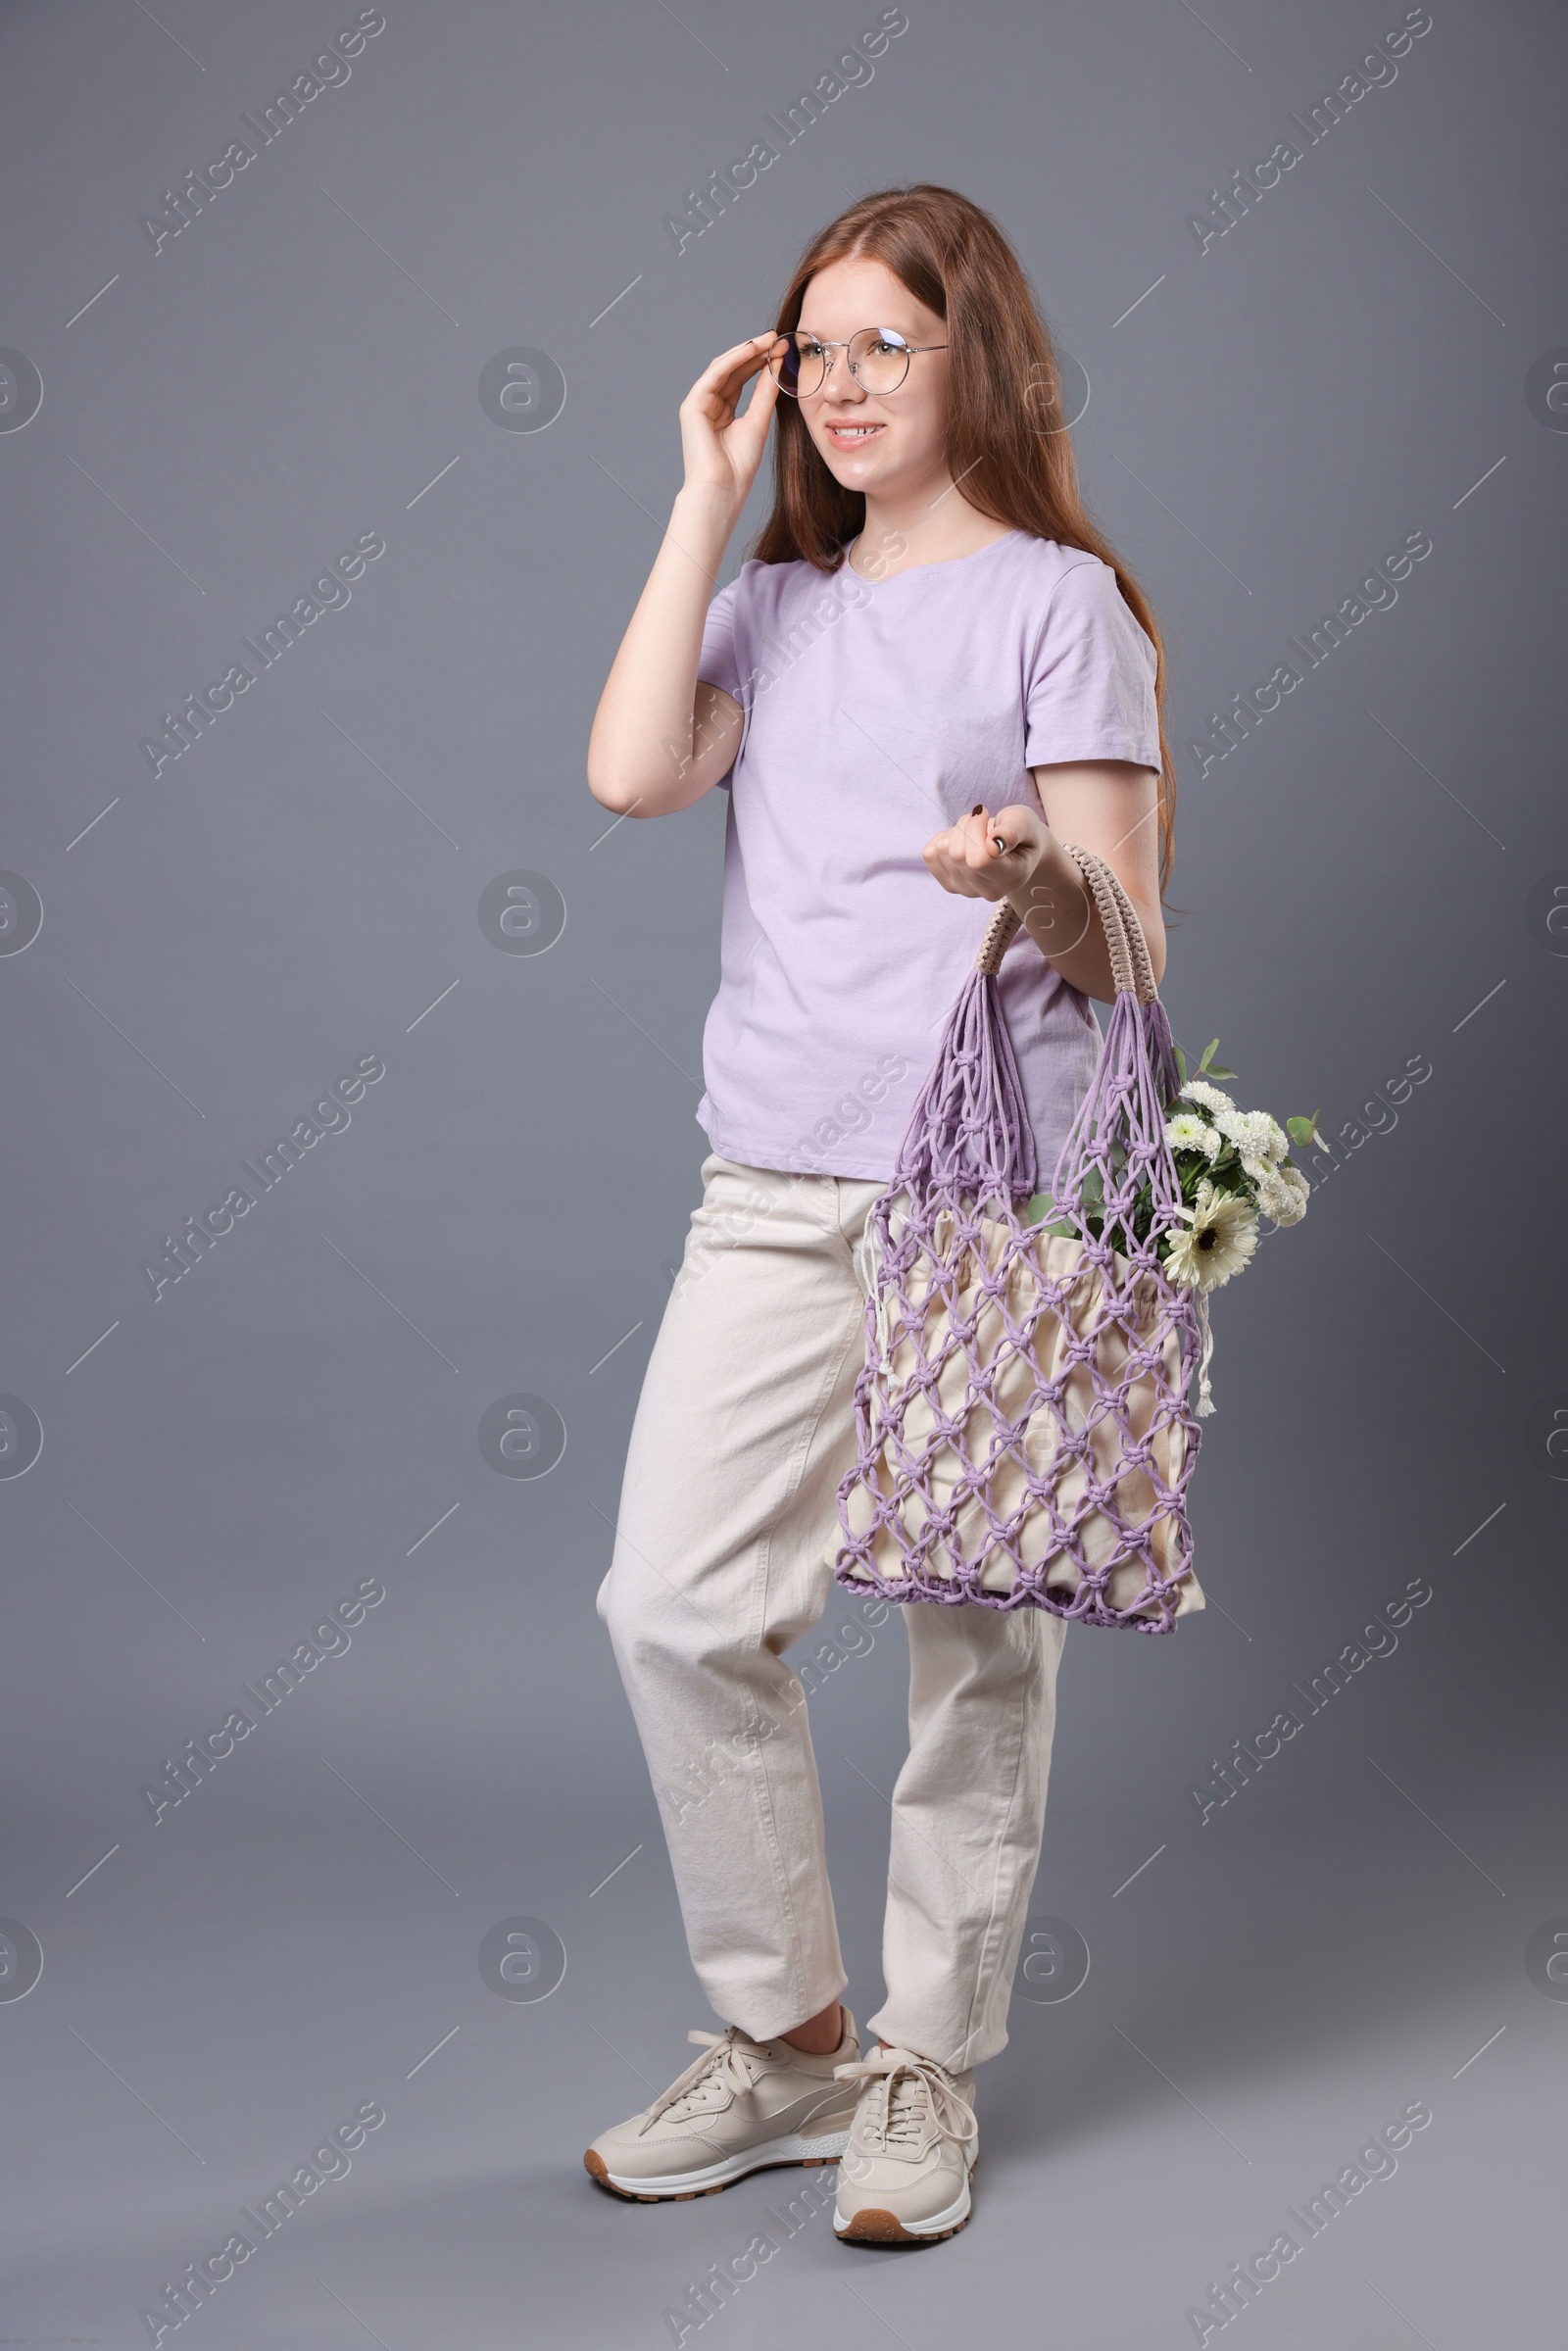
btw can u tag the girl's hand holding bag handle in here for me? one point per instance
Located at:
(1025, 1439)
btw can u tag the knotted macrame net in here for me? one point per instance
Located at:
(1025, 1437)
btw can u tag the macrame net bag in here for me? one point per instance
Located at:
(1025, 1437)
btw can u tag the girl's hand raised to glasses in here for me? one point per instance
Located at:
(721, 448)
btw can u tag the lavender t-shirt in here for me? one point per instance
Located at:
(877, 714)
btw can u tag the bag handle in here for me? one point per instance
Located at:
(1130, 964)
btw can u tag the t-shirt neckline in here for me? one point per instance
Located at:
(948, 563)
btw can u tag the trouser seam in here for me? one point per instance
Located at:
(765, 1561)
(1031, 1665)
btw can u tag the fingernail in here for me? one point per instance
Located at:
(979, 808)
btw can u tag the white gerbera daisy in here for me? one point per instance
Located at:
(1282, 1195)
(1186, 1131)
(1220, 1237)
(1199, 1090)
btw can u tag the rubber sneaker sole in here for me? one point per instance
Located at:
(874, 2224)
(679, 2187)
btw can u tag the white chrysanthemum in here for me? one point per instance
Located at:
(1220, 1237)
(1254, 1133)
(1188, 1132)
(1282, 1194)
(1199, 1090)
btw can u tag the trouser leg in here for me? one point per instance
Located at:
(969, 1812)
(743, 1430)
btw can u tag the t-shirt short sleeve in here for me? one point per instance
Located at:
(718, 664)
(1089, 682)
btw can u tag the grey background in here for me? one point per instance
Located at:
(293, 369)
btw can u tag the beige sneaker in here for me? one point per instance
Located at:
(903, 2178)
(743, 2105)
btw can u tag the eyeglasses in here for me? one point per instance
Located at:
(878, 360)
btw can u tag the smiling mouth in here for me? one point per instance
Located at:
(853, 435)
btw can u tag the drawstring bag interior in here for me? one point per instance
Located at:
(1023, 1431)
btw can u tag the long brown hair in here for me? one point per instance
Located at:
(1007, 440)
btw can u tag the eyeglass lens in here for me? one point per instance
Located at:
(878, 358)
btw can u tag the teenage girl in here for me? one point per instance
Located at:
(933, 670)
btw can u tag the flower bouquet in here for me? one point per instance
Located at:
(1234, 1168)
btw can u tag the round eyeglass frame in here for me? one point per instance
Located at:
(886, 335)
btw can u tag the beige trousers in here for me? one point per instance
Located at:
(744, 1429)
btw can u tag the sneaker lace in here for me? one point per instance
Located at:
(908, 2090)
(722, 2067)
